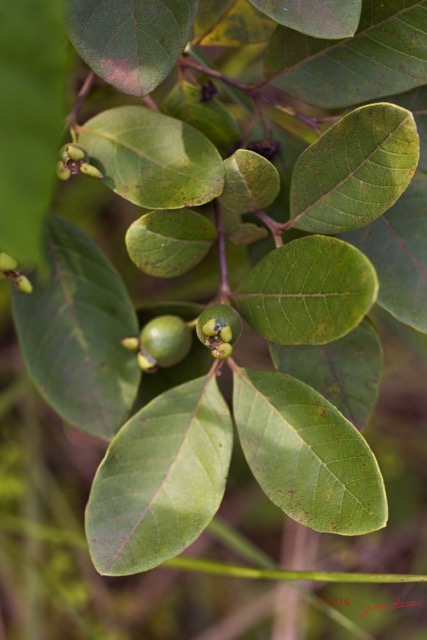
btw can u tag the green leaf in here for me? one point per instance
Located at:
(310, 291)
(416, 102)
(211, 118)
(70, 329)
(396, 246)
(152, 160)
(346, 372)
(317, 18)
(247, 233)
(162, 480)
(386, 56)
(251, 182)
(133, 46)
(308, 459)
(356, 170)
(169, 243)
(31, 113)
(231, 23)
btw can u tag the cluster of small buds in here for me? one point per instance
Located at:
(218, 338)
(8, 270)
(74, 160)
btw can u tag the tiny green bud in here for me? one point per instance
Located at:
(89, 170)
(147, 363)
(210, 328)
(73, 151)
(62, 172)
(23, 284)
(226, 333)
(132, 344)
(7, 263)
(222, 351)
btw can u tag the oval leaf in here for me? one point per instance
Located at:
(31, 116)
(70, 329)
(211, 117)
(416, 102)
(308, 459)
(355, 171)
(152, 160)
(346, 372)
(231, 23)
(317, 18)
(386, 56)
(251, 182)
(311, 291)
(162, 480)
(133, 46)
(169, 243)
(396, 245)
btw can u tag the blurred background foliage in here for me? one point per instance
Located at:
(48, 586)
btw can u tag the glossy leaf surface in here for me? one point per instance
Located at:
(153, 160)
(251, 182)
(231, 23)
(31, 115)
(397, 247)
(310, 291)
(132, 45)
(169, 243)
(211, 117)
(307, 458)
(161, 481)
(346, 372)
(70, 330)
(356, 170)
(386, 56)
(317, 18)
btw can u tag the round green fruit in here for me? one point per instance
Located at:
(219, 322)
(167, 339)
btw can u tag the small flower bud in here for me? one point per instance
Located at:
(72, 151)
(210, 328)
(7, 263)
(132, 344)
(222, 351)
(226, 333)
(62, 172)
(89, 170)
(147, 363)
(23, 284)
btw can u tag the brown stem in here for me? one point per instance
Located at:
(274, 227)
(224, 287)
(81, 97)
(186, 63)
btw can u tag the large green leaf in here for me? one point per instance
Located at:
(251, 182)
(310, 291)
(152, 160)
(230, 23)
(161, 481)
(416, 101)
(346, 372)
(31, 115)
(308, 459)
(356, 170)
(169, 243)
(317, 18)
(386, 56)
(211, 118)
(397, 247)
(70, 329)
(131, 45)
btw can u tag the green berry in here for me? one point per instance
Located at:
(132, 344)
(89, 170)
(23, 284)
(62, 172)
(7, 263)
(167, 339)
(223, 351)
(72, 151)
(224, 318)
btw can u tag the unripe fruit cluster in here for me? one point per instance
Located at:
(74, 160)
(8, 266)
(163, 342)
(219, 327)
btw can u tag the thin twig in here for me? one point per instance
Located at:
(224, 287)
(150, 103)
(81, 97)
(275, 228)
(244, 86)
